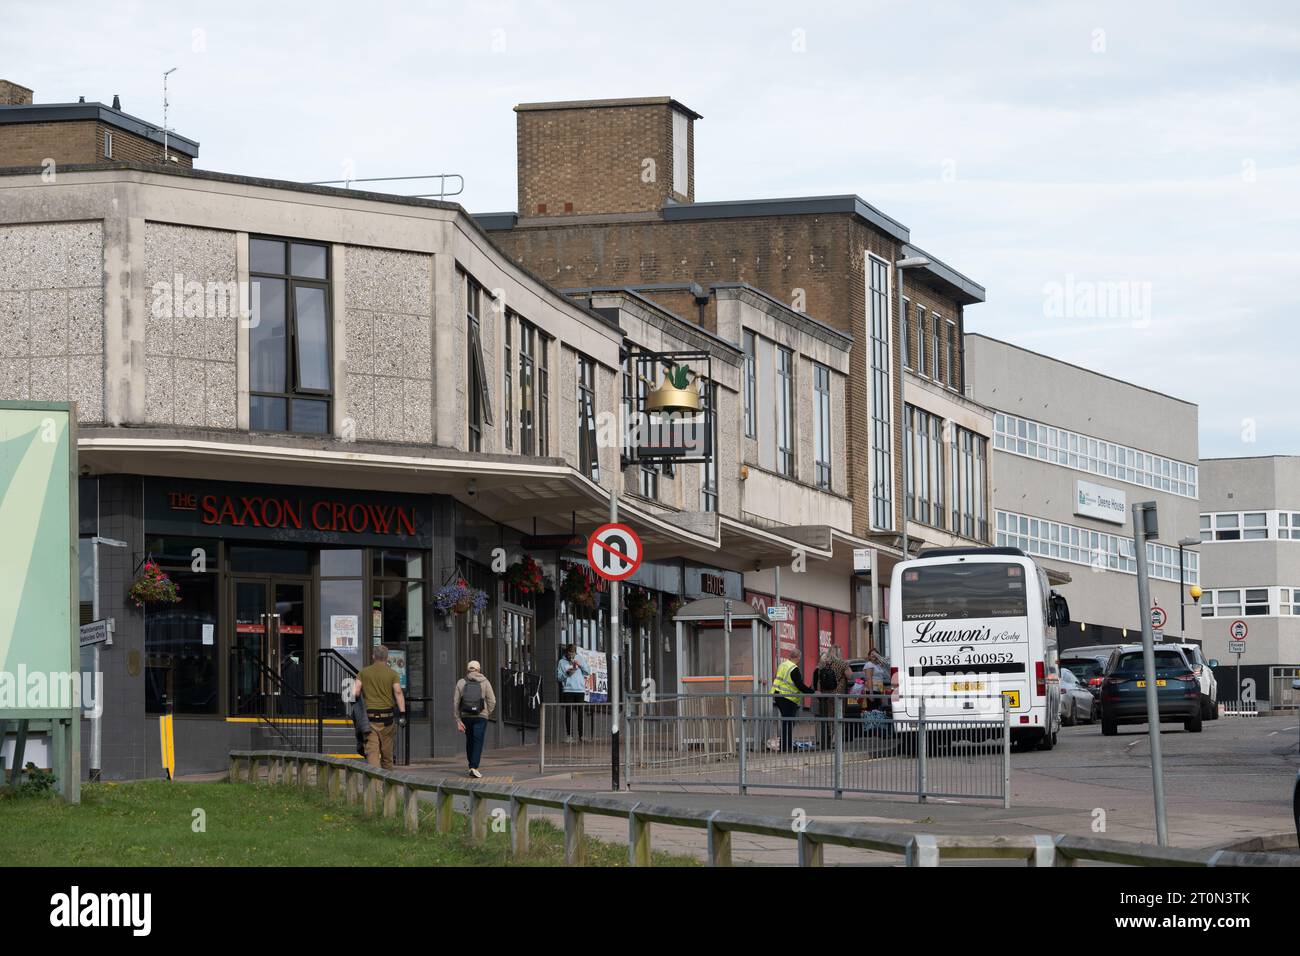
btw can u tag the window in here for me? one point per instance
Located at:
(480, 400)
(108, 145)
(290, 359)
(953, 351)
(709, 470)
(916, 463)
(936, 461)
(1240, 602)
(1020, 436)
(533, 388)
(906, 331)
(921, 364)
(938, 346)
(822, 424)
(785, 411)
(508, 392)
(969, 479)
(1099, 550)
(649, 471)
(882, 468)
(588, 457)
(751, 385)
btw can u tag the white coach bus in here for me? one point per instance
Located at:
(968, 624)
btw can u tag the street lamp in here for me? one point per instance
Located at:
(910, 262)
(1196, 590)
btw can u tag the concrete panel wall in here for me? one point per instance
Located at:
(52, 314)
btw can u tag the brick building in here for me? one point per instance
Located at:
(606, 197)
(32, 134)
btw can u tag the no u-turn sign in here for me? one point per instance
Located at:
(614, 552)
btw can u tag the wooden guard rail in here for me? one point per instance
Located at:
(391, 792)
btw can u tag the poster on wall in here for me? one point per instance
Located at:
(343, 632)
(598, 679)
(397, 661)
(787, 631)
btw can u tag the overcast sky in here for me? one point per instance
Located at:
(1141, 156)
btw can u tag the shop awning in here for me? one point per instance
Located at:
(714, 609)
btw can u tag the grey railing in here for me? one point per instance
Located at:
(392, 793)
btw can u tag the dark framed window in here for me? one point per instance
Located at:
(938, 347)
(952, 354)
(290, 353)
(709, 470)
(751, 385)
(822, 425)
(508, 394)
(588, 457)
(921, 364)
(882, 468)
(534, 402)
(785, 411)
(905, 329)
(480, 398)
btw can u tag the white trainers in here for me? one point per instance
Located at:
(473, 772)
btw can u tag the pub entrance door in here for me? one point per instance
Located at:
(272, 645)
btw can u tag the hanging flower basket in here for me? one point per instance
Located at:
(639, 605)
(674, 605)
(525, 576)
(459, 597)
(576, 589)
(153, 586)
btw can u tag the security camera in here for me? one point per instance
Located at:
(472, 488)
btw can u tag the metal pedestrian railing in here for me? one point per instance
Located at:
(847, 744)
(850, 744)
(395, 793)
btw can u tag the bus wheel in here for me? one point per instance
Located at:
(1048, 741)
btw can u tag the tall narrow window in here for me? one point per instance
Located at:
(953, 352)
(290, 358)
(751, 386)
(937, 456)
(543, 394)
(507, 384)
(588, 458)
(785, 411)
(882, 469)
(981, 479)
(906, 330)
(937, 372)
(681, 154)
(480, 400)
(527, 396)
(709, 470)
(921, 364)
(909, 467)
(822, 425)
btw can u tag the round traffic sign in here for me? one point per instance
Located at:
(1237, 630)
(1158, 616)
(614, 551)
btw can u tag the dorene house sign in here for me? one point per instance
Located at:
(291, 514)
(1100, 502)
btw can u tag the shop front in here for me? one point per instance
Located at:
(282, 592)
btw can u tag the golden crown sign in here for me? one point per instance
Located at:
(677, 392)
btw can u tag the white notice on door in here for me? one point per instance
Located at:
(208, 630)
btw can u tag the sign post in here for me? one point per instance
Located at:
(1237, 632)
(614, 552)
(1144, 527)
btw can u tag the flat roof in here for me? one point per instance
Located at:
(1050, 358)
(70, 112)
(614, 103)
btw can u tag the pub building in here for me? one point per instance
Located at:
(357, 404)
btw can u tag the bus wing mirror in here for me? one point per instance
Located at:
(1060, 611)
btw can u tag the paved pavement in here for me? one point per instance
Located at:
(1227, 784)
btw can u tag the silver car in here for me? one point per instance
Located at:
(1204, 671)
(1077, 702)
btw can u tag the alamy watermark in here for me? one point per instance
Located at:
(58, 690)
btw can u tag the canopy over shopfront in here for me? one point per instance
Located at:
(715, 660)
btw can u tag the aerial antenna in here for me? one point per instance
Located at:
(166, 155)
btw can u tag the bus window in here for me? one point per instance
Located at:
(955, 591)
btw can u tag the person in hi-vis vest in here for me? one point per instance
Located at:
(788, 689)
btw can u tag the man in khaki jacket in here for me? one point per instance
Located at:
(381, 688)
(473, 704)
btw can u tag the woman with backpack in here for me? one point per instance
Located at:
(831, 678)
(473, 705)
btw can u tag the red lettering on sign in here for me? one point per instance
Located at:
(292, 514)
(405, 522)
(381, 518)
(210, 515)
(340, 520)
(317, 521)
(228, 509)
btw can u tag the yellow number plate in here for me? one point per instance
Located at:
(1159, 683)
(958, 685)
(1013, 698)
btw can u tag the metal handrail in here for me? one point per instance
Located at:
(385, 791)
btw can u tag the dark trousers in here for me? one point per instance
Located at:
(475, 731)
(572, 713)
(788, 708)
(827, 724)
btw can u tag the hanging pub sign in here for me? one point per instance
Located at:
(284, 513)
(670, 407)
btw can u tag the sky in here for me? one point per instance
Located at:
(1122, 178)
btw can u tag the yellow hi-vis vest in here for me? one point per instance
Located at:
(782, 685)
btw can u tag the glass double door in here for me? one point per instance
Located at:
(271, 652)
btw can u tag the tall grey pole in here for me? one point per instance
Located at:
(898, 385)
(1149, 667)
(615, 649)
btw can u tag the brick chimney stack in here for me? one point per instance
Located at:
(11, 94)
(588, 157)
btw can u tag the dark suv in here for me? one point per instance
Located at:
(1124, 695)
(1088, 666)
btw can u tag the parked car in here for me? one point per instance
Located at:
(1077, 702)
(1124, 695)
(1204, 671)
(1088, 665)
